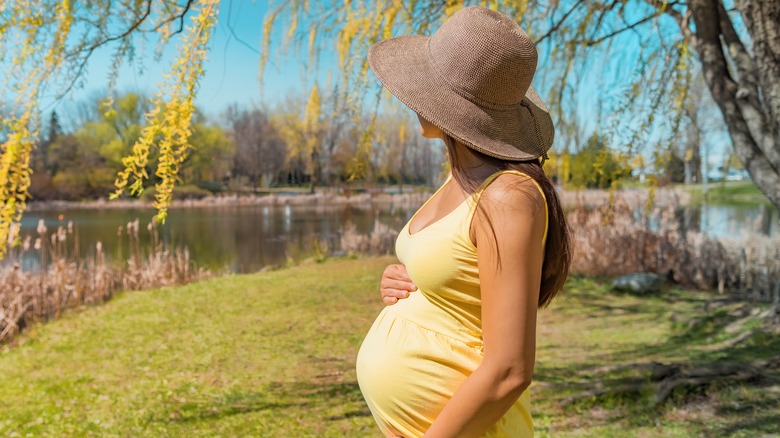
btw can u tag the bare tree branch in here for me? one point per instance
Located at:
(134, 27)
(558, 25)
(619, 31)
(179, 17)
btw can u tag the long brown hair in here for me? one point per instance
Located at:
(557, 251)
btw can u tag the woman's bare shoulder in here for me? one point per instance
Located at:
(512, 191)
(509, 196)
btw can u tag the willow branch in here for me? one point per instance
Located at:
(134, 27)
(179, 17)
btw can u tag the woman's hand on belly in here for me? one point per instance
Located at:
(396, 284)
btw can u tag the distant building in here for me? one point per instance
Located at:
(720, 174)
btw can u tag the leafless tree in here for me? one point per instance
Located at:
(259, 150)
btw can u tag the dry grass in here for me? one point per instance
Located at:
(609, 240)
(69, 280)
(612, 241)
(636, 197)
(380, 241)
(272, 354)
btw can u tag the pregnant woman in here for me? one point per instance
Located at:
(452, 354)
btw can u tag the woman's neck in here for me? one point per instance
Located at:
(474, 166)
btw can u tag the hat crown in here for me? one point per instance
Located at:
(484, 56)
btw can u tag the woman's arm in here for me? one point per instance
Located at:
(510, 296)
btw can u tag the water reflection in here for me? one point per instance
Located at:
(725, 221)
(247, 238)
(244, 238)
(729, 221)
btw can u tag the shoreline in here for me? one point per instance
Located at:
(586, 197)
(234, 200)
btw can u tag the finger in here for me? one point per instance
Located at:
(399, 273)
(400, 293)
(391, 293)
(390, 300)
(397, 293)
(398, 284)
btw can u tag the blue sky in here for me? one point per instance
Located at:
(232, 71)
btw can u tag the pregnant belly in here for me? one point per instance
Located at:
(407, 373)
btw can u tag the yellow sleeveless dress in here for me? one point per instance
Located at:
(421, 349)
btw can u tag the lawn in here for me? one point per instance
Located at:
(272, 354)
(728, 192)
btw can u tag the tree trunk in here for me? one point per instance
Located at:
(693, 149)
(751, 121)
(316, 174)
(762, 18)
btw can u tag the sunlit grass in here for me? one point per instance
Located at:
(64, 279)
(728, 192)
(272, 354)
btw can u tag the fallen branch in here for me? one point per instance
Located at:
(729, 343)
(664, 379)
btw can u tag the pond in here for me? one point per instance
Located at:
(730, 221)
(724, 221)
(249, 237)
(242, 238)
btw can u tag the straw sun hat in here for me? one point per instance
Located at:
(471, 79)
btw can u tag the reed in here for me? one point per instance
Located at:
(65, 279)
(380, 241)
(611, 240)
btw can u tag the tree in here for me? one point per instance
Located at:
(703, 117)
(740, 65)
(53, 130)
(312, 131)
(49, 42)
(675, 168)
(289, 121)
(391, 148)
(114, 126)
(212, 156)
(692, 153)
(259, 150)
(338, 132)
(596, 166)
(82, 164)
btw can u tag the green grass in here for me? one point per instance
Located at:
(272, 354)
(729, 192)
(591, 332)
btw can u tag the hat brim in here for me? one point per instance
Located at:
(510, 132)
